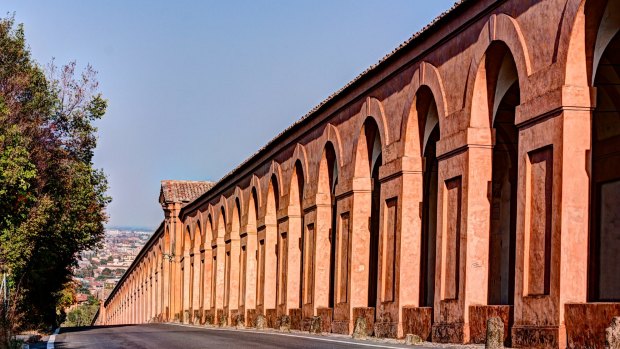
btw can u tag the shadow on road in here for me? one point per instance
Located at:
(89, 328)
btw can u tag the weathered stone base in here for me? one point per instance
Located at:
(586, 323)
(295, 315)
(260, 322)
(369, 315)
(187, 316)
(306, 323)
(360, 331)
(237, 319)
(315, 325)
(418, 321)
(222, 317)
(209, 318)
(538, 336)
(272, 318)
(284, 323)
(478, 316)
(196, 318)
(455, 332)
(385, 326)
(341, 326)
(250, 316)
(326, 318)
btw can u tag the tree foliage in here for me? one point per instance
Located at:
(83, 314)
(52, 199)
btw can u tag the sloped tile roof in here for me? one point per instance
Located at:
(183, 191)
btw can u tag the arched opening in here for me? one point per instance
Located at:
(319, 237)
(268, 248)
(187, 274)
(232, 253)
(295, 261)
(214, 290)
(248, 257)
(165, 292)
(503, 93)
(604, 269)
(198, 272)
(222, 265)
(428, 126)
(328, 179)
(368, 160)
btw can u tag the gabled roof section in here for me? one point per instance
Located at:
(174, 191)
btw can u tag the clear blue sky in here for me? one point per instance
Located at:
(195, 87)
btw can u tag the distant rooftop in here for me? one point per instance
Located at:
(182, 191)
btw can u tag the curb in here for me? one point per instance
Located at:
(52, 339)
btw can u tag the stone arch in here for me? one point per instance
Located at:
(428, 77)
(268, 270)
(321, 276)
(300, 156)
(499, 28)
(587, 29)
(223, 212)
(490, 77)
(255, 186)
(197, 235)
(373, 108)
(235, 228)
(237, 199)
(292, 252)
(167, 246)
(331, 135)
(499, 78)
(198, 268)
(248, 255)
(273, 178)
(210, 228)
(366, 151)
(296, 187)
(188, 241)
(221, 220)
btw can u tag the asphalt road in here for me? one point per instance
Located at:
(155, 336)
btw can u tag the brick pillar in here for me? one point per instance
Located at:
(462, 236)
(553, 220)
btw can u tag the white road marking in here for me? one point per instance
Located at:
(290, 335)
(52, 339)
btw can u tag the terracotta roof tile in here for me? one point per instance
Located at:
(183, 191)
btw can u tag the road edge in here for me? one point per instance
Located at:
(52, 339)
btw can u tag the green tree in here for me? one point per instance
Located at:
(52, 198)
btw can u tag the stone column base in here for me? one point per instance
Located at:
(586, 323)
(326, 315)
(418, 321)
(341, 326)
(295, 315)
(451, 332)
(385, 326)
(369, 315)
(525, 336)
(222, 318)
(209, 317)
(272, 317)
(478, 316)
(250, 316)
